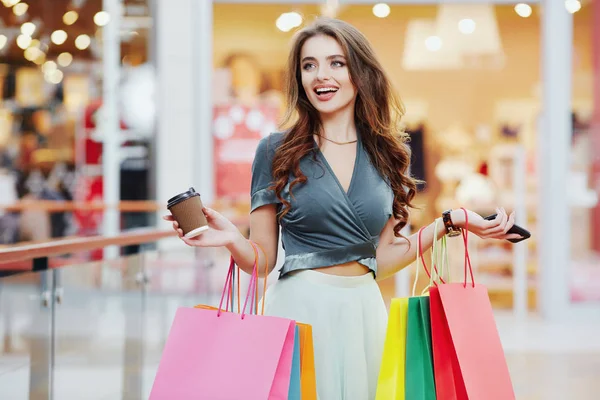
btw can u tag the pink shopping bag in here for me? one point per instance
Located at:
(212, 354)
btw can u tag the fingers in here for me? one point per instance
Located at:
(210, 214)
(203, 240)
(492, 223)
(168, 218)
(512, 236)
(177, 229)
(510, 223)
(498, 223)
(190, 242)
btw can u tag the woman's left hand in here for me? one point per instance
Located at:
(496, 228)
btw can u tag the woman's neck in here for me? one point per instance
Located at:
(339, 126)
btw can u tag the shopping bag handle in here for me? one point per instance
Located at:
(252, 287)
(438, 257)
(256, 246)
(230, 288)
(465, 236)
(421, 261)
(229, 283)
(262, 311)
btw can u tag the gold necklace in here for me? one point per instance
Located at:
(338, 143)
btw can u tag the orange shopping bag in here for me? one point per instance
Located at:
(308, 382)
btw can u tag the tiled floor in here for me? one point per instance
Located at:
(109, 339)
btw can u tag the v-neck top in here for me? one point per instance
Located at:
(326, 225)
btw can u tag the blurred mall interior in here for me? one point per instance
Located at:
(111, 107)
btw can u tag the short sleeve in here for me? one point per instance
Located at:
(262, 173)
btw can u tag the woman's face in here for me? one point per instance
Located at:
(325, 75)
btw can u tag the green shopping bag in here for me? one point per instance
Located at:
(419, 383)
(419, 377)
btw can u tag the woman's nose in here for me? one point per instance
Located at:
(323, 74)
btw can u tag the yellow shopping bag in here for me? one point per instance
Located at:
(390, 385)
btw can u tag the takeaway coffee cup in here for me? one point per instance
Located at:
(186, 208)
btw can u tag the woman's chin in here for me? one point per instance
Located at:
(328, 109)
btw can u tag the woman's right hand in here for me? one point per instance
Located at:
(221, 231)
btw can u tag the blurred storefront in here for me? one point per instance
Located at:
(472, 82)
(51, 80)
(202, 82)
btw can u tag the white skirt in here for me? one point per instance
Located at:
(348, 318)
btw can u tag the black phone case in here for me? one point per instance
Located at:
(525, 234)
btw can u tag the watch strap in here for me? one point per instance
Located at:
(451, 229)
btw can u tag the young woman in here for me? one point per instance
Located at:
(337, 185)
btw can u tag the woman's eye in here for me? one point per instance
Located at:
(337, 64)
(308, 66)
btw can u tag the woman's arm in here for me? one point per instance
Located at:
(264, 231)
(394, 254)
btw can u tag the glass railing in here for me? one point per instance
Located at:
(95, 330)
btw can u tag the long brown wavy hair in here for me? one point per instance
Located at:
(377, 116)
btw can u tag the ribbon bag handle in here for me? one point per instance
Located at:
(465, 235)
(420, 257)
(439, 257)
(420, 261)
(266, 272)
(435, 276)
(229, 285)
(253, 283)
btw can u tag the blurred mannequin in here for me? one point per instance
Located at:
(250, 84)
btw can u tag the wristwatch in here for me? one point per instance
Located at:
(450, 227)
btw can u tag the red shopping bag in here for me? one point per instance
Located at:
(469, 362)
(215, 354)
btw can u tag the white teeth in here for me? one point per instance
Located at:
(324, 90)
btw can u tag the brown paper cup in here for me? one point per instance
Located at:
(186, 208)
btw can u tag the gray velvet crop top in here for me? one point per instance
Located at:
(325, 226)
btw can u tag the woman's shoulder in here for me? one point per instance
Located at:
(270, 143)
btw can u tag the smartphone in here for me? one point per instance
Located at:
(525, 234)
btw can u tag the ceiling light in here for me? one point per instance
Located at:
(32, 53)
(82, 42)
(10, 3)
(70, 17)
(101, 18)
(433, 43)
(523, 10)
(49, 66)
(288, 21)
(572, 6)
(29, 53)
(381, 10)
(23, 41)
(35, 43)
(64, 59)
(28, 28)
(54, 76)
(40, 59)
(20, 9)
(466, 26)
(59, 37)
(3, 41)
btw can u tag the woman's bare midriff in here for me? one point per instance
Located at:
(352, 268)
